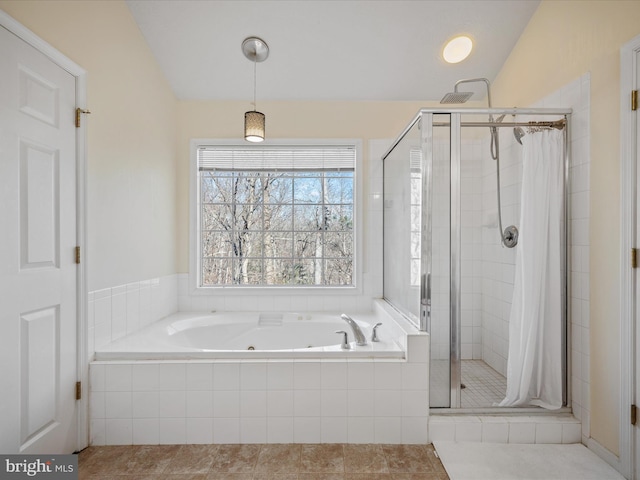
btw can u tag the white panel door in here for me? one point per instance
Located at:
(37, 263)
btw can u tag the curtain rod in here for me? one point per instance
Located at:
(559, 124)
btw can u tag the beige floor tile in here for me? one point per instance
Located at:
(192, 459)
(281, 458)
(321, 476)
(407, 458)
(364, 459)
(151, 459)
(322, 458)
(105, 460)
(261, 462)
(236, 458)
(229, 476)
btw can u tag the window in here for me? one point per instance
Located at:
(275, 215)
(415, 199)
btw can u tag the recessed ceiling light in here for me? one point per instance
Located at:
(457, 49)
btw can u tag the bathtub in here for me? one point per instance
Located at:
(254, 335)
(192, 378)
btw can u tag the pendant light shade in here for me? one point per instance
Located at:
(254, 126)
(256, 50)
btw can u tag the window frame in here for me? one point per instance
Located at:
(195, 254)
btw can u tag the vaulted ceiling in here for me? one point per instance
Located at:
(327, 50)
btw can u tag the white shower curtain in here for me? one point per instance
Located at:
(534, 367)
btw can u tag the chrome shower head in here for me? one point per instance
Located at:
(462, 97)
(456, 97)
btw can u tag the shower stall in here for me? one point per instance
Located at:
(493, 299)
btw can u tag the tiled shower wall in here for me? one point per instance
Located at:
(498, 262)
(499, 266)
(471, 285)
(471, 202)
(576, 95)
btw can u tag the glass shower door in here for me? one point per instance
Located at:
(417, 239)
(402, 209)
(436, 215)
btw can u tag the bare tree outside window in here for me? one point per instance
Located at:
(275, 227)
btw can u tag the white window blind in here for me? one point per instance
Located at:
(415, 159)
(277, 158)
(276, 215)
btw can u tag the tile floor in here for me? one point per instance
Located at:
(262, 462)
(484, 385)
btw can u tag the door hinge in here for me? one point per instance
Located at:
(79, 112)
(634, 100)
(634, 258)
(78, 254)
(78, 390)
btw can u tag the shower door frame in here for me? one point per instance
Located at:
(427, 124)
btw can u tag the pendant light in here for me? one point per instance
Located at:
(256, 50)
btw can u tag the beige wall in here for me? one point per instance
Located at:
(563, 40)
(131, 136)
(215, 119)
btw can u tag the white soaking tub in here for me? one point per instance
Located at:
(254, 335)
(190, 378)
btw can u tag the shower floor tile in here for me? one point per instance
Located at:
(483, 385)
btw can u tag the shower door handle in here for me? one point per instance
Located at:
(425, 303)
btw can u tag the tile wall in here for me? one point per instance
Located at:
(471, 203)
(500, 265)
(117, 311)
(471, 273)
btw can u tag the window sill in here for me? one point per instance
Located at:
(276, 290)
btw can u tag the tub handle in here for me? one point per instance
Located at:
(345, 340)
(374, 335)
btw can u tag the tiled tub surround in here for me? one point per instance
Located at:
(122, 310)
(270, 400)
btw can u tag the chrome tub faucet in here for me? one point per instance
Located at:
(357, 332)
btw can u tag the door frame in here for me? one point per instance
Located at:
(628, 224)
(80, 74)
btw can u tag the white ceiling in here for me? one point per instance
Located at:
(327, 50)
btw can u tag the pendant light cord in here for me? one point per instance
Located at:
(255, 107)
